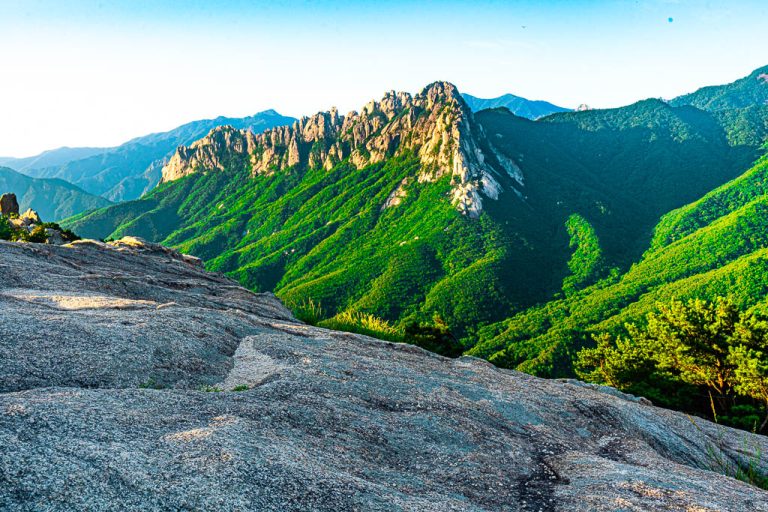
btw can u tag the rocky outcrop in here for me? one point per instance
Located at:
(113, 355)
(436, 125)
(9, 205)
(216, 151)
(28, 227)
(31, 217)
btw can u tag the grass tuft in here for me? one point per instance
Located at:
(308, 311)
(363, 323)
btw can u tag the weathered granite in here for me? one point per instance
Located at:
(436, 125)
(330, 420)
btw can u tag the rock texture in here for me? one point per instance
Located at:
(435, 124)
(9, 205)
(329, 420)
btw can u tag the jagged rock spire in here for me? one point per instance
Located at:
(435, 124)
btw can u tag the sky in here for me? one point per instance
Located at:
(100, 72)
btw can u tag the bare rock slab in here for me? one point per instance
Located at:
(327, 420)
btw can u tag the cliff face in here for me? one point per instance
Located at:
(435, 124)
(111, 351)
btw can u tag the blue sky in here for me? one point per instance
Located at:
(97, 73)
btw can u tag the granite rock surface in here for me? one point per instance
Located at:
(117, 392)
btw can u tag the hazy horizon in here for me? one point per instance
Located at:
(97, 74)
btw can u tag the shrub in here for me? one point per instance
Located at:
(434, 337)
(363, 323)
(150, 383)
(38, 235)
(308, 311)
(6, 230)
(67, 234)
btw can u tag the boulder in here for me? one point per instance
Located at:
(54, 236)
(9, 205)
(31, 217)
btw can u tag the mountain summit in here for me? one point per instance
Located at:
(436, 125)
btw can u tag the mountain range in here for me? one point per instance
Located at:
(419, 211)
(53, 199)
(127, 171)
(712, 246)
(530, 109)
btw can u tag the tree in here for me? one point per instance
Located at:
(684, 342)
(749, 357)
(629, 363)
(619, 363)
(694, 340)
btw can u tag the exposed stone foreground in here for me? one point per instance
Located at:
(332, 421)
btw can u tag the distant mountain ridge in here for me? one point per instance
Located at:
(50, 158)
(530, 109)
(750, 91)
(127, 171)
(53, 199)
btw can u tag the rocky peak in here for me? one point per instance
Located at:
(435, 124)
(213, 152)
